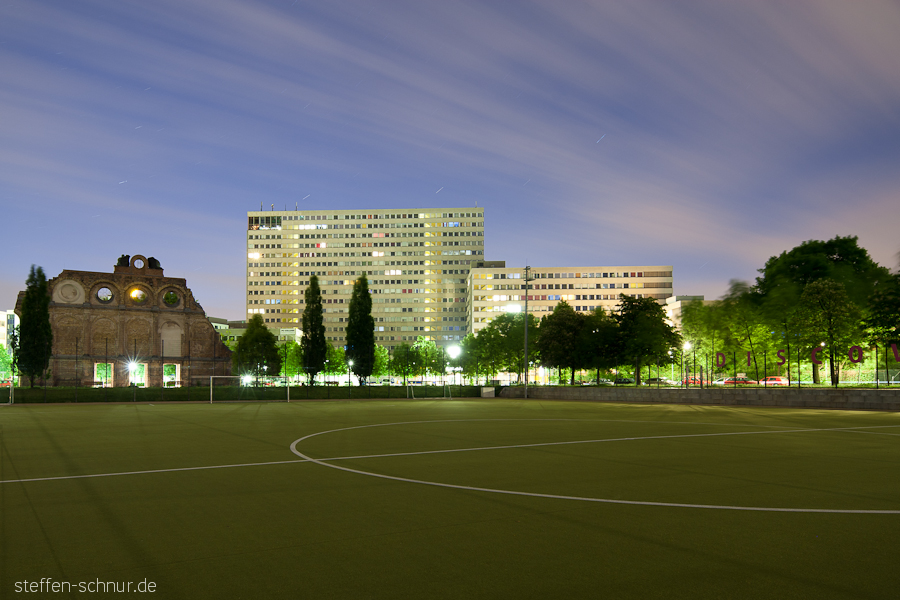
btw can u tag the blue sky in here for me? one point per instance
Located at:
(706, 135)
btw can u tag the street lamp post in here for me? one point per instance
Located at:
(349, 364)
(687, 379)
(527, 279)
(454, 352)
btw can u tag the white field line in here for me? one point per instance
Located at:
(277, 462)
(280, 462)
(323, 463)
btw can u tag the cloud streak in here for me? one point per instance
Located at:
(730, 131)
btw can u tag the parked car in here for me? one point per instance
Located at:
(774, 380)
(624, 381)
(658, 381)
(737, 381)
(694, 380)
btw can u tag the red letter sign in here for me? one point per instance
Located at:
(813, 356)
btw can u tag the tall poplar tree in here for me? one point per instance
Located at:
(35, 333)
(361, 330)
(313, 343)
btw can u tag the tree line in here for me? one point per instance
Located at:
(819, 299)
(824, 299)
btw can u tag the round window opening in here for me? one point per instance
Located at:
(104, 294)
(138, 296)
(171, 299)
(138, 263)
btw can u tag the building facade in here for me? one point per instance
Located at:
(8, 323)
(494, 289)
(416, 260)
(131, 326)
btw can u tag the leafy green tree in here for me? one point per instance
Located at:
(257, 350)
(512, 330)
(407, 362)
(313, 344)
(336, 363)
(883, 320)
(705, 326)
(490, 346)
(828, 315)
(434, 359)
(597, 342)
(746, 323)
(35, 332)
(6, 371)
(840, 259)
(361, 330)
(382, 367)
(472, 358)
(558, 343)
(644, 334)
(291, 359)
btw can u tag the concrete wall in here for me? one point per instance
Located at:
(841, 398)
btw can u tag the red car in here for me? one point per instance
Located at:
(739, 381)
(773, 380)
(694, 380)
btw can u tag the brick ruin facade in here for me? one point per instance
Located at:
(135, 319)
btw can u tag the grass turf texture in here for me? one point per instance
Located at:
(231, 393)
(304, 530)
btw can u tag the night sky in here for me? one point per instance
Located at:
(706, 135)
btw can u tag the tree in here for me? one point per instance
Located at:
(382, 364)
(361, 330)
(35, 332)
(883, 320)
(840, 259)
(433, 359)
(6, 370)
(507, 340)
(472, 358)
(558, 343)
(406, 362)
(745, 322)
(313, 343)
(292, 359)
(336, 363)
(828, 315)
(257, 350)
(644, 333)
(490, 350)
(597, 341)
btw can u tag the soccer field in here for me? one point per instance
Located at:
(450, 499)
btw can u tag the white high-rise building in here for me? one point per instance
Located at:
(494, 289)
(417, 262)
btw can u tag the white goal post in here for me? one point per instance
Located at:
(237, 381)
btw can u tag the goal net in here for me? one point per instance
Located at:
(232, 388)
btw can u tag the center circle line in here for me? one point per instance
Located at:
(325, 463)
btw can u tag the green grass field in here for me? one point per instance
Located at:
(209, 501)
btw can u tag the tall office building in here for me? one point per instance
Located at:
(417, 262)
(495, 289)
